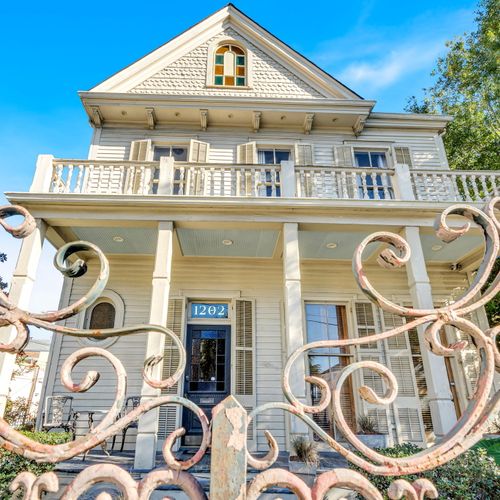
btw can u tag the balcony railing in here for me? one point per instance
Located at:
(95, 177)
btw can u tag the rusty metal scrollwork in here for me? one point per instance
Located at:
(396, 253)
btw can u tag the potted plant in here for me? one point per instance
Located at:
(369, 434)
(305, 458)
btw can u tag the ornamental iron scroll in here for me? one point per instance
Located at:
(227, 432)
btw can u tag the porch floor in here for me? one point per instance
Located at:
(69, 469)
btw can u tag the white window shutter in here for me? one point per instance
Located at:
(402, 154)
(244, 359)
(407, 406)
(247, 153)
(169, 415)
(141, 150)
(343, 156)
(367, 323)
(198, 151)
(304, 154)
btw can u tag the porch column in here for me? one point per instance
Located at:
(20, 294)
(294, 320)
(145, 449)
(438, 386)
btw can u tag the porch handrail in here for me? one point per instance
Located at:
(166, 177)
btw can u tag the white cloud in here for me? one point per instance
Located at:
(387, 70)
(375, 57)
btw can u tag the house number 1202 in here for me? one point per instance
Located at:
(199, 310)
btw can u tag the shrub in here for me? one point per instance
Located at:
(367, 425)
(12, 464)
(471, 476)
(306, 450)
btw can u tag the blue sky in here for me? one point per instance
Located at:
(383, 50)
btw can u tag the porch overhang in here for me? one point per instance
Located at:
(200, 113)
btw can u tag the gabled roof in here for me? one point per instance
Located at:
(227, 18)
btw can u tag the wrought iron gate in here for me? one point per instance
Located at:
(227, 432)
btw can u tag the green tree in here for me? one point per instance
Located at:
(467, 86)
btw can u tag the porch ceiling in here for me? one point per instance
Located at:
(119, 240)
(227, 242)
(341, 245)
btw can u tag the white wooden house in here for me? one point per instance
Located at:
(229, 181)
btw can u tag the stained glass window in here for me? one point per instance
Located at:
(230, 66)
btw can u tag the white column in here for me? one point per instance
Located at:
(294, 320)
(43, 174)
(438, 385)
(288, 187)
(403, 187)
(145, 449)
(20, 294)
(166, 178)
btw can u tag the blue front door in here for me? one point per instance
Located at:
(207, 380)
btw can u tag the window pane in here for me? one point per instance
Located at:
(229, 80)
(282, 156)
(218, 80)
(362, 159)
(179, 154)
(266, 156)
(240, 82)
(102, 316)
(219, 59)
(378, 160)
(324, 323)
(240, 60)
(159, 152)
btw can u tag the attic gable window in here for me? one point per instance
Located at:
(230, 66)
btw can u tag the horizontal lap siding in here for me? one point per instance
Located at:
(115, 143)
(425, 152)
(131, 278)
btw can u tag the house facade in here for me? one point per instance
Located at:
(229, 181)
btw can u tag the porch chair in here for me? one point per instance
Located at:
(131, 403)
(59, 414)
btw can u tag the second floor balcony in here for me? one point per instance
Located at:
(285, 180)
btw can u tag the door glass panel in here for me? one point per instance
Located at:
(208, 361)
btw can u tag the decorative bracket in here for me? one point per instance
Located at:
(308, 123)
(151, 117)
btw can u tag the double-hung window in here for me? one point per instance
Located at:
(178, 153)
(374, 188)
(272, 156)
(328, 322)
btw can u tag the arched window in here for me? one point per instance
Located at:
(230, 66)
(102, 316)
(107, 312)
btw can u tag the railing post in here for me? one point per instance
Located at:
(229, 451)
(287, 176)
(403, 186)
(43, 174)
(166, 178)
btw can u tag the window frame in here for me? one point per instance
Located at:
(348, 353)
(172, 145)
(210, 76)
(110, 297)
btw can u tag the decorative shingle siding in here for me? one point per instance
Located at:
(187, 76)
